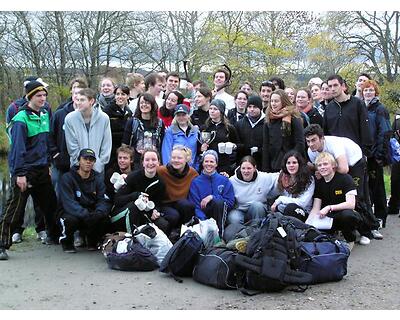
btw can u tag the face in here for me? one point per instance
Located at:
(276, 102)
(83, 103)
(121, 98)
(150, 163)
(219, 79)
(325, 167)
(292, 165)
(75, 85)
(302, 100)
(145, 106)
(247, 170)
(360, 81)
(172, 83)
(178, 159)
(369, 93)
(209, 164)
(74, 96)
(316, 93)
(336, 88)
(155, 91)
(182, 118)
(253, 111)
(86, 163)
(291, 95)
(106, 87)
(265, 94)
(124, 160)
(200, 100)
(171, 101)
(38, 100)
(214, 113)
(140, 86)
(246, 88)
(325, 92)
(241, 102)
(315, 143)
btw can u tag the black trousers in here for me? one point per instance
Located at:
(178, 212)
(377, 190)
(217, 209)
(42, 193)
(394, 202)
(39, 220)
(346, 221)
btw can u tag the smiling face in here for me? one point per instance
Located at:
(38, 100)
(276, 102)
(369, 93)
(219, 79)
(247, 170)
(178, 159)
(182, 118)
(209, 164)
(200, 100)
(171, 101)
(121, 98)
(241, 102)
(106, 87)
(316, 92)
(150, 163)
(124, 161)
(302, 100)
(83, 103)
(145, 106)
(291, 94)
(214, 113)
(265, 93)
(325, 167)
(172, 83)
(325, 92)
(292, 165)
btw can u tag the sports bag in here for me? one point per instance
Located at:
(216, 267)
(181, 258)
(271, 255)
(325, 258)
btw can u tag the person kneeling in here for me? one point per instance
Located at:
(335, 197)
(84, 204)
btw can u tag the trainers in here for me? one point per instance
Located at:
(79, 241)
(364, 241)
(42, 235)
(16, 238)
(3, 254)
(377, 235)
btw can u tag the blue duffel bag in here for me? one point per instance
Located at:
(325, 258)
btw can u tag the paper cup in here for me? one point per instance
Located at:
(228, 147)
(221, 147)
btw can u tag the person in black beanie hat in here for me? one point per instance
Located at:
(34, 87)
(220, 104)
(250, 131)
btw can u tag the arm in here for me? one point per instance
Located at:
(69, 203)
(298, 132)
(102, 205)
(350, 203)
(105, 149)
(167, 145)
(72, 141)
(265, 156)
(365, 133)
(303, 200)
(18, 148)
(343, 165)
(194, 197)
(126, 139)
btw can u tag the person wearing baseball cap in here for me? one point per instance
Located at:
(84, 205)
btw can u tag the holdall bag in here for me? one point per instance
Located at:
(136, 258)
(110, 239)
(216, 267)
(325, 258)
(181, 258)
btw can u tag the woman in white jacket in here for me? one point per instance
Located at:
(296, 186)
(252, 190)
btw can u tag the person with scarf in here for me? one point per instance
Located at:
(252, 190)
(380, 128)
(106, 95)
(167, 111)
(296, 186)
(283, 131)
(304, 103)
(177, 176)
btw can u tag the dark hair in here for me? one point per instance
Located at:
(306, 90)
(367, 75)
(147, 151)
(154, 107)
(267, 84)
(124, 88)
(205, 92)
(248, 159)
(312, 129)
(222, 70)
(126, 149)
(303, 176)
(279, 81)
(81, 81)
(173, 74)
(241, 91)
(164, 111)
(151, 80)
(246, 82)
(335, 77)
(88, 93)
(200, 82)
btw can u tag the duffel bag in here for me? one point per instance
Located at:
(325, 258)
(216, 267)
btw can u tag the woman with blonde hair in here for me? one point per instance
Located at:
(283, 131)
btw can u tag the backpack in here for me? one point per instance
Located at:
(271, 256)
(181, 258)
(325, 258)
(216, 267)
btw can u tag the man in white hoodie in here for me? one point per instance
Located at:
(88, 127)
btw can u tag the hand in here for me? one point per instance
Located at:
(205, 201)
(324, 211)
(225, 174)
(124, 175)
(273, 206)
(317, 175)
(204, 147)
(155, 215)
(22, 183)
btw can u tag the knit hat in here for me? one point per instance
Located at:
(220, 104)
(181, 108)
(210, 152)
(34, 78)
(255, 101)
(34, 87)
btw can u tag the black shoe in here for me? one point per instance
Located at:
(393, 211)
(68, 247)
(3, 254)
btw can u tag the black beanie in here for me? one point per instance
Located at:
(220, 104)
(255, 101)
(33, 87)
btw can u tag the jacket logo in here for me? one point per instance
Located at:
(338, 192)
(78, 194)
(220, 188)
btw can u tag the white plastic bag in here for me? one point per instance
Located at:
(158, 246)
(207, 230)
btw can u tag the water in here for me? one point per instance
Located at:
(5, 189)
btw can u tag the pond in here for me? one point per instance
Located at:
(5, 186)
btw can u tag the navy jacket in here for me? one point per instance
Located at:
(17, 105)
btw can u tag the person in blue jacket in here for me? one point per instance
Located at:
(181, 132)
(84, 203)
(212, 193)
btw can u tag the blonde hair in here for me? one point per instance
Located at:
(326, 156)
(187, 151)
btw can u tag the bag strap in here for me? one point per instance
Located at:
(125, 213)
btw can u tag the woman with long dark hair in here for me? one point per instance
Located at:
(167, 111)
(296, 186)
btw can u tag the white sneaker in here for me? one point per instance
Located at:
(16, 238)
(364, 241)
(42, 236)
(377, 235)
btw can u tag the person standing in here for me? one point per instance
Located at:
(220, 80)
(29, 166)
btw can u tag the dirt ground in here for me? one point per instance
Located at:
(43, 277)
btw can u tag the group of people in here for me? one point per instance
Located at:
(144, 152)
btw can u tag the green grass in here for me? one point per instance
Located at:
(387, 182)
(29, 233)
